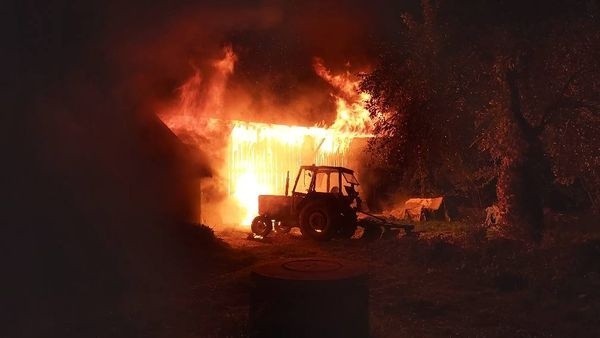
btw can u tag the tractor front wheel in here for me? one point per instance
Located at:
(318, 222)
(261, 226)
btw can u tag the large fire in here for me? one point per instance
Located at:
(260, 156)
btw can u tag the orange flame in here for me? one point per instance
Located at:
(259, 155)
(351, 103)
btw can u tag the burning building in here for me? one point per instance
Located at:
(253, 158)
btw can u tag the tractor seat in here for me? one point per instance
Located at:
(335, 190)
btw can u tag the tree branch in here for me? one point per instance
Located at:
(554, 105)
(567, 103)
(515, 102)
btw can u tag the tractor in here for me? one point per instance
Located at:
(323, 203)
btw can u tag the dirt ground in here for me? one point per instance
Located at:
(429, 285)
(445, 281)
(425, 285)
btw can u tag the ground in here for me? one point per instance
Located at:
(448, 279)
(432, 284)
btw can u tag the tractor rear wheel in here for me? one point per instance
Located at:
(318, 222)
(261, 226)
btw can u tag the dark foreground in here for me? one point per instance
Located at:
(440, 284)
(445, 281)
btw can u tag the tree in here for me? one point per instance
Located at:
(512, 85)
(548, 81)
(417, 91)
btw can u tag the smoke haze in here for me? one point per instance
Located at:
(275, 41)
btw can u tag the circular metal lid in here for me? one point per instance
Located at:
(311, 268)
(312, 265)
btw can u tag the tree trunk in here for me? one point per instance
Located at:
(520, 181)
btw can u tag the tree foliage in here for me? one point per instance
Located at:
(461, 101)
(418, 102)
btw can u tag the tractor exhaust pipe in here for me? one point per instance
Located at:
(287, 183)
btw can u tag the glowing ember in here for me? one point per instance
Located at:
(351, 103)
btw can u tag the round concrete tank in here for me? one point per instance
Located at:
(309, 297)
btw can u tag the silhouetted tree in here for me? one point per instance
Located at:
(418, 90)
(511, 80)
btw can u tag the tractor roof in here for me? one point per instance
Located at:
(326, 167)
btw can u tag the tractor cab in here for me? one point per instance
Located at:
(325, 179)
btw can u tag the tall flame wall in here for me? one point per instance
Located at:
(261, 155)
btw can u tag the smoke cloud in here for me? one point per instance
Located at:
(275, 41)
